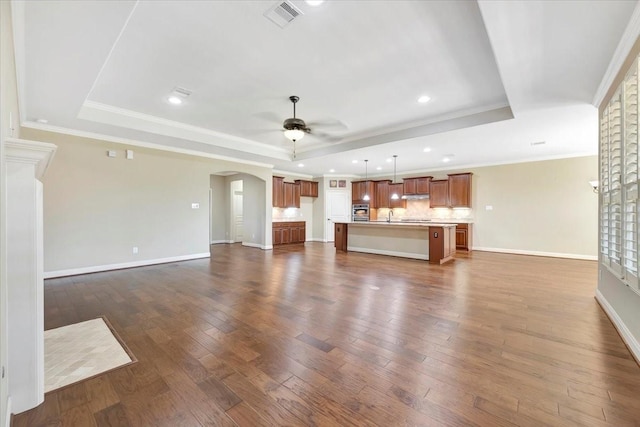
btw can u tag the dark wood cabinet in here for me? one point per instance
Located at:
(291, 195)
(307, 188)
(422, 185)
(463, 236)
(400, 202)
(340, 241)
(460, 190)
(439, 193)
(359, 189)
(289, 232)
(382, 194)
(416, 186)
(278, 191)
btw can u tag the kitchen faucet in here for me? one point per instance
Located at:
(389, 216)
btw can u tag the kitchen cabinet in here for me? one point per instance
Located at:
(416, 186)
(463, 236)
(400, 202)
(278, 191)
(307, 188)
(439, 193)
(382, 194)
(288, 232)
(359, 189)
(460, 190)
(291, 195)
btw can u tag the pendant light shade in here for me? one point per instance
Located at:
(366, 180)
(394, 196)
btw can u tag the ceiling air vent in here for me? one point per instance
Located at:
(282, 13)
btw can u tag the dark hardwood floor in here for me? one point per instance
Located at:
(304, 336)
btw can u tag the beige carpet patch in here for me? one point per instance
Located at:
(76, 352)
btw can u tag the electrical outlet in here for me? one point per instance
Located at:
(195, 205)
(488, 208)
(135, 249)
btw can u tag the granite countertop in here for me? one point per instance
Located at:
(404, 224)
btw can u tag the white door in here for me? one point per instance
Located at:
(237, 215)
(338, 210)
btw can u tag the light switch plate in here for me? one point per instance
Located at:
(195, 205)
(111, 153)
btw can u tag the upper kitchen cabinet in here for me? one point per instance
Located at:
(439, 193)
(307, 188)
(382, 194)
(359, 189)
(278, 191)
(399, 202)
(459, 190)
(291, 195)
(416, 186)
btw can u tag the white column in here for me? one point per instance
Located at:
(26, 162)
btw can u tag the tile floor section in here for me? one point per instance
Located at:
(75, 352)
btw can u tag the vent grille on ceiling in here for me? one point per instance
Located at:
(282, 13)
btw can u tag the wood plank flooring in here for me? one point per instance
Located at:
(302, 336)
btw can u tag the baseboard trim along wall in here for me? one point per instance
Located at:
(317, 240)
(217, 242)
(7, 419)
(120, 266)
(257, 245)
(628, 338)
(537, 253)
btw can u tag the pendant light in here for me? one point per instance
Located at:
(394, 196)
(366, 197)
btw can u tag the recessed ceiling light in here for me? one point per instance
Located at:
(424, 99)
(427, 150)
(354, 161)
(446, 160)
(379, 168)
(539, 143)
(332, 170)
(175, 100)
(389, 160)
(314, 2)
(300, 165)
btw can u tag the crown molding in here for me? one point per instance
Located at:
(629, 37)
(134, 143)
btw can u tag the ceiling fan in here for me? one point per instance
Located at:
(295, 128)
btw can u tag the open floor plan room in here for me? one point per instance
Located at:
(303, 335)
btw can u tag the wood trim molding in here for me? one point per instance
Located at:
(630, 341)
(537, 253)
(120, 266)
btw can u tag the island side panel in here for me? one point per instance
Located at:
(407, 242)
(340, 236)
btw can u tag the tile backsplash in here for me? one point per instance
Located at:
(421, 209)
(286, 214)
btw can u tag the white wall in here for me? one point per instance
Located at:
(8, 105)
(97, 208)
(219, 209)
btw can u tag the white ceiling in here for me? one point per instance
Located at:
(501, 76)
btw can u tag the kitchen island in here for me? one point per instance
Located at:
(433, 242)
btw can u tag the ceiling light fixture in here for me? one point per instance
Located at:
(175, 100)
(178, 95)
(394, 196)
(300, 165)
(424, 99)
(389, 160)
(314, 2)
(379, 168)
(332, 170)
(446, 160)
(354, 161)
(366, 180)
(427, 150)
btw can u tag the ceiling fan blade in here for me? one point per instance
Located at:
(325, 137)
(328, 124)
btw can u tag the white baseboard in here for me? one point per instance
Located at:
(217, 242)
(317, 240)
(391, 253)
(257, 245)
(628, 338)
(7, 420)
(537, 253)
(108, 267)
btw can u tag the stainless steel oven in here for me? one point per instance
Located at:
(360, 213)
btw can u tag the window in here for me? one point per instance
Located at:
(619, 181)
